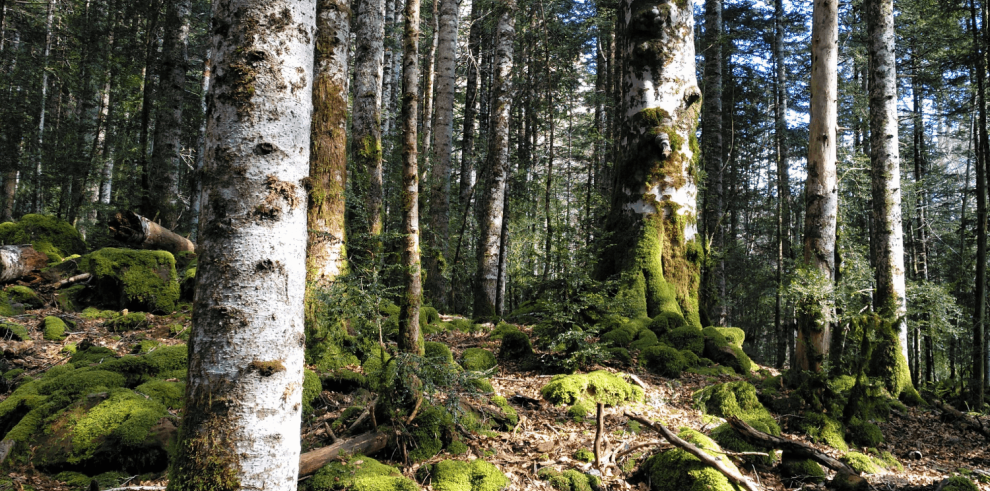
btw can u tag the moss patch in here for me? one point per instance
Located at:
(133, 279)
(569, 480)
(677, 470)
(797, 471)
(959, 483)
(599, 386)
(823, 429)
(864, 433)
(129, 322)
(663, 360)
(458, 475)
(24, 295)
(507, 409)
(312, 387)
(478, 359)
(737, 399)
(54, 328)
(501, 330)
(721, 351)
(359, 473)
(686, 338)
(9, 330)
(861, 463)
(665, 322)
(54, 237)
(515, 346)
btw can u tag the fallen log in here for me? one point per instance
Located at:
(795, 448)
(967, 421)
(142, 233)
(688, 447)
(365, 444)
(18, 261)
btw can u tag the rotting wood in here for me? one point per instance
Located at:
(364, 444)
(18, 261)
(638, 381)
(732, 475)
(968, 421)
(798, 449)
(138, 231)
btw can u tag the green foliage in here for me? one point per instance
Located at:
(813, 293)
(663, 360)
(597, 386)
(54, 329)
(959, 483)
(47, 234)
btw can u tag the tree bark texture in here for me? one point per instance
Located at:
(38, 187)
(471, 104)
(978, 349)
(328, 155)
(711, 153)
(137, 231)
(240, 427)
(18, 261)
(410, 337)
(197, 202)
(492, 203)
(821, 187)
(163, 205)
(890, 299)
(429, 78)
(784, 331)
(366, 129)
(653, 220)
(443, 148)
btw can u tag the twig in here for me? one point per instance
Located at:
(598, 435)
(74, 279)
(364, 415)
(635, 448)
(638, 381)
(752, 435)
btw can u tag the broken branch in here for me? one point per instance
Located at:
(799, 449)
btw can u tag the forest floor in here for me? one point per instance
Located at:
(546, 435)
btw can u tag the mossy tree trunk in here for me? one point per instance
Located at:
(492, 203)
(653, 224)
(888, 241)
(410, 338)
(821, 187)
(366, 129)
(713, 275)
(246, 346)
(443, 149)
(328, 156)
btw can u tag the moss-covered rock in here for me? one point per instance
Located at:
(737, 399)
(169, 394)
(584, 455)
(428, 316)
(24, 295)
(569, 480)
(431, 430)
(677, 470)
(666, 322)
(360, 473)
(663, 360)
(599, 386)
(344, 381)
(864, 433)
(619, 356)
(686, 338)
(501, 330)
(458, 475)
(721, 351)
(823, 429)
(47, 234)
(861, 463)
(478, 359)
(133, 279)
(54, 328)
(959, 483)
(93, 313)
(515, 346)
(800, 471)
(507, 409)
(69, 299)
(312, 387)
(128, 322)
(9, 330)
(644, 339)
(734, 335)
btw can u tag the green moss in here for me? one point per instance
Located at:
(644, 339)
(9, 330)
(360, 473)
(24, 295)
(379, 369)
(515, 346)
(457, 448)
(312, 387)
(91, 354)
(621, 336)
(887, 362)
(428, 316)
(431, 428)
(133, 279)
(440, 352)
(569, 480)
(737, 399)
(677, 470)
(80, 382)
(842, 383)
(169, 394)
(458, 475)
(599, 386)
(734, 335)
(168, 358)
(507, 409)
(581, 409)
(501, 330)
(959, 483)
(864, 433)
(823, 429)
(54, 237)
(125, 418)
(54, 328)
(478, 359)
(67, 299)
(129, 322)
(861, 463)
(620, 355)
(75, 480)
(95, 313)
(584, 455)
(885, 459)
(801, 471)
(665, 322)
(145, 346)
(686, 338)
(721, 351)
(729, 439)
(663, 360)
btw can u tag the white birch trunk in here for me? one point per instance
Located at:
(38, 188)
(410, 337)
(240, 428)
(197, 192)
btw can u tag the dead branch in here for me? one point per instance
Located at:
(138, 231)
(598, 435)
(731, 474)
(75, 279)
(638, 381)
(18, 261)
(364, 444)
(969, 422)
(799, 449)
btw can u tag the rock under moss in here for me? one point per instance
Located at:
(686, 338)
(861, 463)
(507, 409)
(721, 351)
(360, 473)
(69, 299)
(169, 394)
(569, 480)
(24, 295)
(666, 322)
(959, 483)
(599, 386)
(430, 430)
(515, 346)
(478, 359)
(800, 471)
(663, 360)
(734, 335)
(677, 470)
(9, 330)
(47, 234)
(737, 399)
(133, 279)
(644, 339)
(729, 439)
(458, 475)
(54, 328)
(822, 429)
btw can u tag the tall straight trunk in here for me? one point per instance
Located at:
(366, 132)
(921, 203)
(784, 332)
(492, 204)
(328, 152)
(389, 64)
(821, 188)
(548, 245)
(890, 297)
(410, 338)
(473, 68)
(197, 199)
(443, 148)
(38, 194)
(92, 77)
(244, 389)
(148, 92)
(711, 153)
(655, 244)
(429, 77)
(163, 200)
(978, 348)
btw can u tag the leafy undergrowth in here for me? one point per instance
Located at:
(550, 444)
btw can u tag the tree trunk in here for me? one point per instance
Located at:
(655, 245)
(426, 118)
(197, 199)
(366, 133)
(976, 383)
(471, 104)
(784, 332)
(18, 261)
(38, 195)
(890, 298)
(711, 153)
(147, 93)
(410, 338)
(492, 204)
(137, 231)
(246, 347)
(328, 153)
(443, 147)
(821, 188)
(162, 202)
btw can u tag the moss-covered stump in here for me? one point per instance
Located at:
(515, 346)
(359, 473)
(887, 362)
(53, 328)
(677, 470)
(737, 399)
(478, 359)
(721, 351)
(569, 480)
(458, 475)
(959, 483)
(663, 360)
(54, 237)
(800, 471)
(598, 386)
(25, 296)
(133, 279)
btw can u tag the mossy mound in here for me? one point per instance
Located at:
(133, 279)
(620, 356)
(864, 433)
(478, 359)
(626, 332)
(54, 237)
(737, 399)
(54, 328)
(569, 480)
(598, 386)
(9, 330)
(501, 330)
(432, 430)
(24, 295)
(438, 352)
(644, 339)
(733, 335)
(186, 265)
(428, 316)
(721, 351)
(686, 338)
(823, 429)
(312, 387)
(665, 322)
(129, 322)
(344, 381)
(94, 313)
(582, 409)
(169, 394)
(8, 308)
(584, 455)
(798, 471)
(663, 360)
(959, 483)
(861, 463)
(507, 409)
(458, 475)
(729, 439)
(360, 473)
(677, 470)
(515, 346)
(69, 299)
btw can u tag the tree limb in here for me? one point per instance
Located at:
(799, 449)
(365, 444)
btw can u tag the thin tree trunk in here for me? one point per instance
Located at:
(979, 360)
(426, 118)
(712, 152)
(197, 199)
(548, 246)
(471, 104)
(366, 133)
(784, 332)
(246, 349)
(148, 93)
(410, 338)
(821, 191)
(38, 195)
